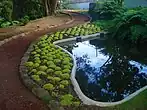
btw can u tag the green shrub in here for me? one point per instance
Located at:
(65, 82)
(42, 68)
(49, 70)
(25, 20)
(48, 86)
(36, 78)
(131, 25)
(5, 24)
(29, 64)
(66, 100)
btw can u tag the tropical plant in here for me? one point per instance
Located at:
(110, 9)
(6, 8)
(131, 25)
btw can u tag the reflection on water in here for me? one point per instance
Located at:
(107, 72)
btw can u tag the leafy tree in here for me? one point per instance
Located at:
(131, 25)
(6, 9)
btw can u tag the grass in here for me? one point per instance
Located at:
(139, 102)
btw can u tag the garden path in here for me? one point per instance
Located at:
(13, 94)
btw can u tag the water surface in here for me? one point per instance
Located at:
(109, 72)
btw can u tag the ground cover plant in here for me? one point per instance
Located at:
(50, 67)
(6, 23)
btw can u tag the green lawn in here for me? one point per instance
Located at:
(137, 103)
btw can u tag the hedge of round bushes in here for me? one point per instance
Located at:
(50, 67)
(81, 30)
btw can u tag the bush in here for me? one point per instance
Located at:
(48, 86)
(131, 25)
(106, 10)
(24, 20)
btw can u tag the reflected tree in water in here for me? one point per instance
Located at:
(114, 80)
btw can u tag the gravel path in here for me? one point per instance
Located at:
(13, 94)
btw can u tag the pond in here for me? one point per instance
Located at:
(80, 5)
(108, 71)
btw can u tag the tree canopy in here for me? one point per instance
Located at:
(15, 9)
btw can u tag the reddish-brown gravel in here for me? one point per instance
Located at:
(13, 94)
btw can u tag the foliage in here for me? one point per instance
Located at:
(66, 100)
(6, 8)
(109, 9)
(65, 4)
(131, 25)
(34, 9)
(24, 20)
(104, 24)
(50, 67)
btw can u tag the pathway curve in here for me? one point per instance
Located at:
(13, 94)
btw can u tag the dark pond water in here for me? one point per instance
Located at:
(109, 72)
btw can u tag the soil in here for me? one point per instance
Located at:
(32, 25)
(13, 94)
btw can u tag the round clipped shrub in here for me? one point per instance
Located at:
(33, 71)
(50, 58)
(29, 64)
(36, 65)
(50, 77)
(44, 61)
(56, 79)
(33, 53)
(41, 73)
(53, 66)
(37, 61)
(65, 82)
(66, 67)
(66, 100)
(37, 55)
(58, 69)
(48, 86)
(42, 68)
(58, 73)
(65, 76)
(61, 86)
(36, 78)
(50, 63)
(66, 71)
(49, 70)
(57, 61)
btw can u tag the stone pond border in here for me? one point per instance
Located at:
(38, 29)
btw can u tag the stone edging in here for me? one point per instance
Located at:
(76, 86)
(26, 33)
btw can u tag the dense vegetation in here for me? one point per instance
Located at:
(19, 12)
(50, 67)
(123, 23)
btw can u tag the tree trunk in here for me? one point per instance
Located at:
(46, 7)
(50, 6)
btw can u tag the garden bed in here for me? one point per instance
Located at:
(46, 68)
